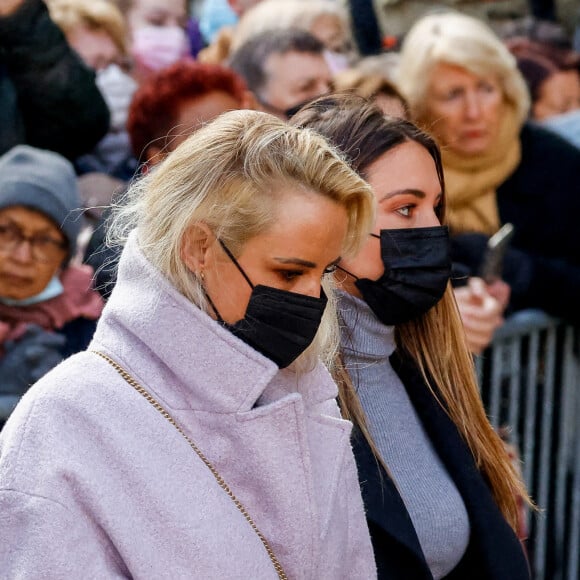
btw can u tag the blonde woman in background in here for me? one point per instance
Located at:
(199, 435)
(462, 84)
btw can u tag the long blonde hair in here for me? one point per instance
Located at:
(435, 341)
(230, 175)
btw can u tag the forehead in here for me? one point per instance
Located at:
(173, 7)
(406, 166)
(307, 223)
(28, 219)
(295, 67)
(445, 73)
(195, 112)
(96, 47)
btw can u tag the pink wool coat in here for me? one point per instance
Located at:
(95, 483)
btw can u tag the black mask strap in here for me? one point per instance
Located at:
(213, 306)
(235, 262)
(347, 272)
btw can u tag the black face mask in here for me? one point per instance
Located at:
(277, 323)
(417, 268)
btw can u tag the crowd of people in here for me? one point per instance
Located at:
(242, 283)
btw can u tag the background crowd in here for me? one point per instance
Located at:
(94, 95)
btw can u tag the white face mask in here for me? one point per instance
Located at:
(117, 89)
(156, 47)
(53, 289)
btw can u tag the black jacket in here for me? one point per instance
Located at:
(542, 199)
(494, 552)
(48, 97)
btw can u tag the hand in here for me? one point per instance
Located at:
(28, 359)
(501, 291)
(480, 311)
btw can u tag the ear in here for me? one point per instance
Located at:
(195, 245)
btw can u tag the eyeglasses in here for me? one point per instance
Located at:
(43, 247)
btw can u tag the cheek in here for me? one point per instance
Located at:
(19, 290)
(367, 263)
(229, 292)
(443, 122)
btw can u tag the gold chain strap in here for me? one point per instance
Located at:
(214, 472)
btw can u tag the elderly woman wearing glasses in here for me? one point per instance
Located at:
(47, 308)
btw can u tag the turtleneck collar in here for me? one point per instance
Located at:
(362, 333)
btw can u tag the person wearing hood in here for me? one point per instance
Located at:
(47, 306)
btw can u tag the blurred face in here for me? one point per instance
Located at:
(463, 110)
(191, 116)
(293, 78)
(408, 194)
(559, 93)
(22, 274)
(157, 13)
(299, 248)
(95, 47)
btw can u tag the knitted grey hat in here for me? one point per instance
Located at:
(44, 181)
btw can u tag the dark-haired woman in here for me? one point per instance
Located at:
(439, 489)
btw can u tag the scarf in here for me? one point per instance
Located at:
(77, 300)
(471, 182)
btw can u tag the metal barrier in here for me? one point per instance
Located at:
(530, 382)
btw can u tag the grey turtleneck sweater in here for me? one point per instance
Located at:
(432, 500)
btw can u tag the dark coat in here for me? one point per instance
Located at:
(542, 199)
(48, 97)
(494, 552)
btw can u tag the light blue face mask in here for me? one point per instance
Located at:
(53, 289)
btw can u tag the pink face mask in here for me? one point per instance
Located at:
(156, 47)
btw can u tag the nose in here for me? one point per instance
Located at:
(472, 106)
(22, 252)
(427, 219)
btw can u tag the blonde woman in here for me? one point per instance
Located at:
(199, 436)
(463, 85)
(438, 486)
(96, 30)
(98, 33)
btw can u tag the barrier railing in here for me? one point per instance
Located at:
(530, 382)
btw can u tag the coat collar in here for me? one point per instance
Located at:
(164, 339)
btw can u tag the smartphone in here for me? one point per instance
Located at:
(491, 267)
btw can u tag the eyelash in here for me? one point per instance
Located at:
(290, 275)
(407, 208)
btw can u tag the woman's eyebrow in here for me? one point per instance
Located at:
(416, 192)
(296, 261)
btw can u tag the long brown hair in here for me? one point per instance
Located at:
(436, 340)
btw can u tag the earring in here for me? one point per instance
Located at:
(201, 276)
